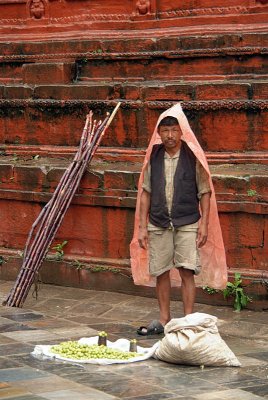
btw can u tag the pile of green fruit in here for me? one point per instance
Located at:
(76, 351)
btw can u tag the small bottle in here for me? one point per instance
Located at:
(102, 340)
(133, 346)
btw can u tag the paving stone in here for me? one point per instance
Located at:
(242, 346)
(253, 316)
(78, 294)
(33, 335)
(157, 396)
(113, 298)
(259, 390)
(71, 395)
(94, 394)
(26, 397)
(12, 310)
(122, 387)
(89, 308)
(147, 303)
(21, 373)
(222, 375)
(81, 331)
(12, 349)
(259, 371)
(115, 327)
(49, 291)
(53, 366)
(6, 340)
(88, 319)
(56, 306)
(14, 393)
(3, 385)
(9, 362)
(184, 384)
(23, 317)
(232, 394)
(42, 385)
(178, 397)
(47, 323)
(4, 321)
(260, 355)
(13, 327)
(247, 384)
(123, 313)
(251, 361)
(244, 329)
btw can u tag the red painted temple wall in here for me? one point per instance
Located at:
(58, 59)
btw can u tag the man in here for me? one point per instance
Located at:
(172, 183)
(175, 188)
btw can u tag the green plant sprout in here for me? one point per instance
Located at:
(209, 290)
(59, 249)
(251, 192)
(77, 264)
(235, 289)
(2, 260)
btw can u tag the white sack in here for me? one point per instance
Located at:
(195, 340)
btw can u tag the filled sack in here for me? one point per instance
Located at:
(195, 340)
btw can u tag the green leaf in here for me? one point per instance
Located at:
(229, 285)
(237, 303)
(244, 299)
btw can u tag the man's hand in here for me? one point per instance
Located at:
(143, 238)
(202, 235)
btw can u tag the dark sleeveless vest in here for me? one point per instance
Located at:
(185, 204)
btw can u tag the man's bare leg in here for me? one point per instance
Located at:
(187, 290)
(163, 289)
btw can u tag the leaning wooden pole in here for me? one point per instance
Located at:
(50, 218)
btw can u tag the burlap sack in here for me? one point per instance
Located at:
(195, 340)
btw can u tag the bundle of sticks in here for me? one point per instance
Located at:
(48, 222)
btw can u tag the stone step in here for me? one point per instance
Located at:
(174, 68)
(247, 89)
(174, 57)
(138, 47)
(248, 64)
(220, 125)
(99, 222)
(42, 173)
(234, 183)
(112, 154)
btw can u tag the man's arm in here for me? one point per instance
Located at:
(144, 210)
(203, 226)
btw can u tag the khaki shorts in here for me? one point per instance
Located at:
(173, 248)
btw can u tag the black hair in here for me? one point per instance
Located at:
(168, 121)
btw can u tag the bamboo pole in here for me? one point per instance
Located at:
(51, 216)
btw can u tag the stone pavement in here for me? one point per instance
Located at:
(62, 313)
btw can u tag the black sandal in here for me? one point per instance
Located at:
(155, 328)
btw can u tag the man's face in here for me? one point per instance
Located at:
(170, 136)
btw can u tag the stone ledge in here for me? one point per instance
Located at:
(131, 155)
(109, 275)
(238, 187)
